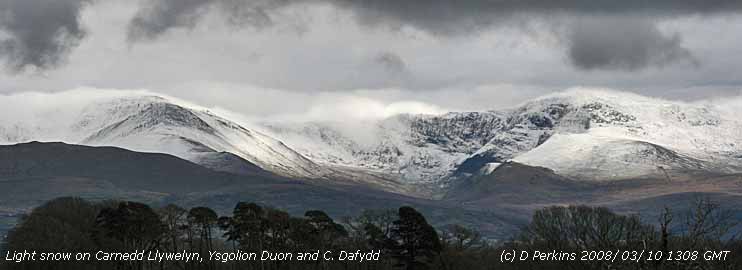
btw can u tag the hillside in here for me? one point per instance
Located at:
(582, 134)
(33, 173)
(148, 123)
(585, 135)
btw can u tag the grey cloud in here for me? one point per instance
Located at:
(634, 45)
(437, 16)
(39, 33)
(387, 69)
(620, 43)
(252, 13)
(452, 17)
(156, 17)
(621, 35)
(391, 62)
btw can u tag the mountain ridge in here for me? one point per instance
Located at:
(587, 135)
(437, 148)
(33, 173)
(154, 124)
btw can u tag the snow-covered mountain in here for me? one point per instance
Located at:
(415, 148)
(585, 134)
(149, 123)
(582, 134)
(628, 136)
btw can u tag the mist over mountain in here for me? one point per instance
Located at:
(587, 135)
(592, 147)
(150, 123)
(592, 135)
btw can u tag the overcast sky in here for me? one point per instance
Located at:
(269, 57)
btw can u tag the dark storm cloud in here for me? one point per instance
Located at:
(254, 13)
(622, 43)
(621, 38)
(39, 33)
(453, 17)
(156, 17)
(447, 17)
(631, 46)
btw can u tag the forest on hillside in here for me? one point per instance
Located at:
(376, 239)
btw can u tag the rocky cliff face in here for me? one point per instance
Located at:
(587, 135)
(600, 135)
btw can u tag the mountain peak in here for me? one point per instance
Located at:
(146, 122)
(581, 95)
(424, 151)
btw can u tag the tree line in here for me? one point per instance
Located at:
(403, 237)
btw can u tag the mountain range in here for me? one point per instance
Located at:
(578, 146)
(588, 135)
(581, 134)
(33, 173)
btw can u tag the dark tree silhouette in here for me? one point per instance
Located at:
(325, 230)
(205, 220)
(228, 226)
(405, 238)
(278, 229)
(60, 225)
(415, 242)
(135, 224)
(249, 226)
(173, 218)
(459, 245)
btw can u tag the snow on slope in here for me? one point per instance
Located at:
(588, 134)
(628, 135)
(586, 156)
(418, 149)
(149, 123)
